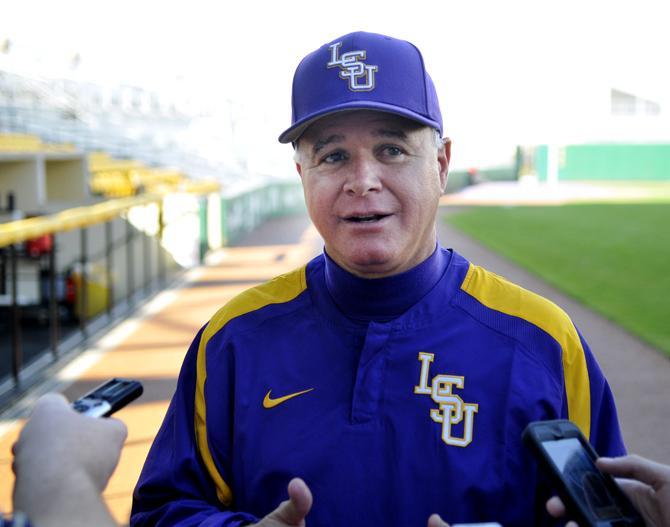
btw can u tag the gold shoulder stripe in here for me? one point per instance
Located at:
(499, 294)
(279, 290)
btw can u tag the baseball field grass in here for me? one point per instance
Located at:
(614, 258)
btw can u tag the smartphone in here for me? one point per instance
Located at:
(109, 397)
(591, 497)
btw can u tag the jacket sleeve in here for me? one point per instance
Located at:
(605, 436)
(174, 488)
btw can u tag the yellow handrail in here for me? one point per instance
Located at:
(22, 230)
(201, 187)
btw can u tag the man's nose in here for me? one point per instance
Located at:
(364, 176)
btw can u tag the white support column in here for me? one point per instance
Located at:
(552, 163)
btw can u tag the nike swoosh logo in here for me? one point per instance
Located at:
(269, 402)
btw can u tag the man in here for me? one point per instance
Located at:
(388, 381)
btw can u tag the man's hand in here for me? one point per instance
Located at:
(292, 512)
(647, 485)
(436, 521)
(62, 462)
(556, 509)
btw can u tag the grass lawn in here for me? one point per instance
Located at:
(614, 258)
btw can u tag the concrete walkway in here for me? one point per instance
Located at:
(151, 347)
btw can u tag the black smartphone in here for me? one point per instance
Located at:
(109, 397)
(591, 497)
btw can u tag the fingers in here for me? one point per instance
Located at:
(436, 521)
(57, 440)
(54, 398)
(293, 511)
(300, 496)
(117, 430)
(636, 467)
(50, 402)
(633, 488)
(555, 507)
(42, 417)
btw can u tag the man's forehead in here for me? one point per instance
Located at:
(378, 122)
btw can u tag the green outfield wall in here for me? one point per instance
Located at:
(240, 212)
(612, 162)
(459, 179)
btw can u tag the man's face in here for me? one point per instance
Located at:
(372, 184)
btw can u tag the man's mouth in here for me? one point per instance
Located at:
(370, 218)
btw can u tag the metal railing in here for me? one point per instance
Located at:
(128, 247)
(103, 235)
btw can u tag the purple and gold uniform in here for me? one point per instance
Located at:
(392, 398)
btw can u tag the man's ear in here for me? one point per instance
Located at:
(443, 157)
(297, 158)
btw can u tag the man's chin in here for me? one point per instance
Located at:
(372, 265)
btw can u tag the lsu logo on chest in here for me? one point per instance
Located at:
(451, 409)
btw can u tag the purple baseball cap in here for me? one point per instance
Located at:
(362, 71)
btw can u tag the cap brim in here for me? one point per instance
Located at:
(293, 133)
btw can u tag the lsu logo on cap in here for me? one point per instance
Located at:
(361, 76)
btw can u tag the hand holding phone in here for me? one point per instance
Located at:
(591, 497)
(62, 463)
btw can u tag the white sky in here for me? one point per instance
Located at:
(506, 72)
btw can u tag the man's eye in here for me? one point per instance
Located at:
(334, 157)
(392, 151)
